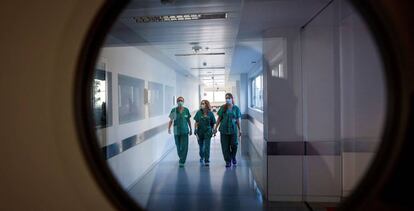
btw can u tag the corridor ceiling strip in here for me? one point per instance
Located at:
(180, 17)
(200, 54)
(207, 68)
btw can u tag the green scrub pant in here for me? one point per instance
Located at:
(228, 146)
(181, 142)
(204, 144)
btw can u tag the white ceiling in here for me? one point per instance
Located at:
(238, 36)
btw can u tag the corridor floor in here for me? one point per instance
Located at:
(197, 187)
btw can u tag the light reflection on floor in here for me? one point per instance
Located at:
(197, 187)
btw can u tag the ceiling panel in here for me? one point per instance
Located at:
(274, 14)
(238, 36)
(173, 39)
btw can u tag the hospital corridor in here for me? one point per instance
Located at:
(285, 105)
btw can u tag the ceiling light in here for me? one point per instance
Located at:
(196, 48)
(206, 68)
(180, 17)
(200, 54)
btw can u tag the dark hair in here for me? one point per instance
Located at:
(207, 104)
(232, 101)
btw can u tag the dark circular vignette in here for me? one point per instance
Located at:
(366, 194)
(100, 27)
(373, 191)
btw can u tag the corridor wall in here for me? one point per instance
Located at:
(145, 141)
(363, 96)
(323, 116)
(344, 101)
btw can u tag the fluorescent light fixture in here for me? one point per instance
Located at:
(180, 17)
(209, 75)
(207, 68)
(200, 54)
(211, 72)
(212, 76)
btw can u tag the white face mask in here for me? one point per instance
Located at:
(229, 101)
(202, 106)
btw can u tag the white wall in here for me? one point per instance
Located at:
(344, 100)
(131, 164)
(283, 112)
(320, 68)
(320, 74)
(281, 118)
(135, 63)
(253, 131)
(281, 105)
(362, 94)
(333, 96)
(253, 126)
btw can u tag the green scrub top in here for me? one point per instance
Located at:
(180, 120)
(205, 123)
(228, 124)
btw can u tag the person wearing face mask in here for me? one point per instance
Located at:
(203, 128)
(180, 116)
(229, 122)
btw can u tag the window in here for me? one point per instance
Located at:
(219, 96)
(257, 92)
(278, 71)
(215, 96)
(102, 98)
(209, 95)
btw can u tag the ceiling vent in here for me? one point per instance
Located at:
(180, 17)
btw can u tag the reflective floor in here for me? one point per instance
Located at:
(197, 187)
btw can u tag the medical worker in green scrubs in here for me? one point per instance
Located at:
(229, 126)
(180, 116)
(203, 128)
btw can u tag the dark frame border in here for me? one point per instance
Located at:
(367, 193)
(100, 27)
